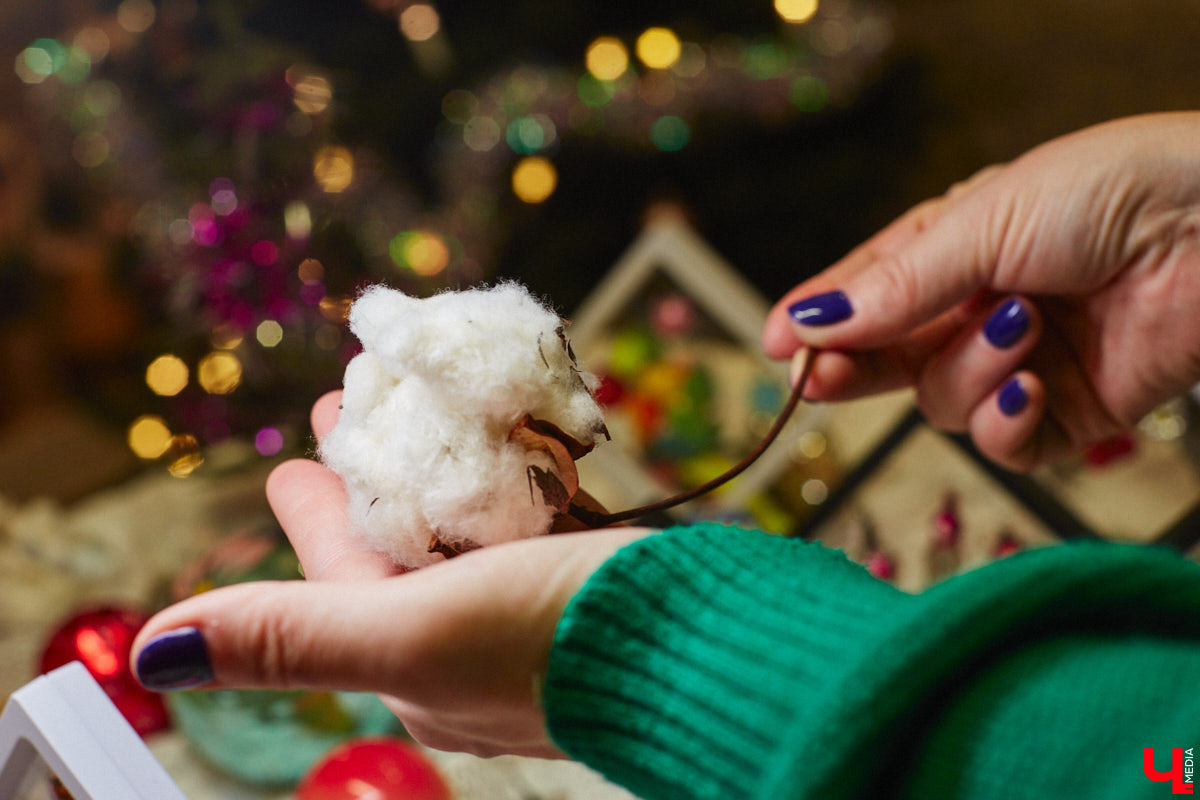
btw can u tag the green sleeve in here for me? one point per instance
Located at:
(712, 662)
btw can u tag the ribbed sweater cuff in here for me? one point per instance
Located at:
(668, 667)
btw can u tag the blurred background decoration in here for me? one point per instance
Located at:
(238, 185)
(191, 191)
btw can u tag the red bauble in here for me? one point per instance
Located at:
(609, 391)
(375, 767)
(946, 529)
(881, 565)
(100, 639)
(1105, 452)
(1007, 545)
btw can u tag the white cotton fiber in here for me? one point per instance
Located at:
(422, 440)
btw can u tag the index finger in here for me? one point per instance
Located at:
(310, 503)
(325, 413)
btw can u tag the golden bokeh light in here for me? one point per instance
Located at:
(424, 252)
(534, 179)
(607, 58)
(226, 336)
(659, 48)
(796, 10)
(269, 333)
(311, 93)
(814, 491)
(148, 436)
(310, 271)
(185, 455)
(167, 375)
(419, 22)
(93, 41)
(335, 309)
(812, 444)
(135, 16)
(219, 372)
(333, 167)
(297, 220)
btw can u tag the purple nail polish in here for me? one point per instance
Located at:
(1012, 398)
(177, 659)
(821, 309)
(1007, 324)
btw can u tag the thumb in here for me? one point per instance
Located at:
(271, 634)
(899, 289)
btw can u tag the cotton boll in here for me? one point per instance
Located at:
(423, 438)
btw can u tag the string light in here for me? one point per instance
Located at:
(658, 48)
(809, 93)
(419, 22)
(796, 11)
(39, 61)
(269, 333)
(481, 134)
(185, 455)
(268, 441)
(670, 133)
(814, 491)
(93, 41)
(333, 167)
(692, 60)
(297, 220)
(525, 135)
(534, 179)
(225, 336)
(135, 16)
(422, 252)
(607, 58)
(310, 271)
(335, 309)
(219, 372)
(167, 375)
(148, 436)
(311, 92)
(812, 444)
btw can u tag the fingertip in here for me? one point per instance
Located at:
(778, 340)
(325, 413)
(292, 476)
(1006, 425)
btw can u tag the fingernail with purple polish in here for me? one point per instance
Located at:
(1012, 398)
(176, 659)
(1007, 324)
(821, 309)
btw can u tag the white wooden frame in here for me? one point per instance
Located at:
(65, 720)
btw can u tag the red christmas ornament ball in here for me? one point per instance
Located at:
(609, 392)
(946, 529)
(100, 638)
(377, 767)
(881, 565)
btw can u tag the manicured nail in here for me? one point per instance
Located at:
(1012, 398)
(1007, 324)
(176, 659)
(821, 309)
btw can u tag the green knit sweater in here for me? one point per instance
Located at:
(711, 662)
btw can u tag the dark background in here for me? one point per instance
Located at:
(965, 84)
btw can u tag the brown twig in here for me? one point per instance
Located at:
(603, 520)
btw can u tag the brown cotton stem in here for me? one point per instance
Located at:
(597, 520)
